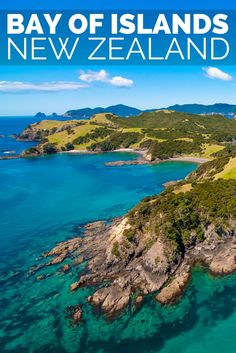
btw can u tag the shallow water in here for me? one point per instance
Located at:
(45, 200)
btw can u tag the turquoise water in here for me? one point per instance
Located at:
(46, 200)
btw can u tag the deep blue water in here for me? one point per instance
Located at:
(14, 125)
(44, 200)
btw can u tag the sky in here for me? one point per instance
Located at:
(27, 90)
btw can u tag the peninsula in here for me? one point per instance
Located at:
(160, 134)
(152, 249)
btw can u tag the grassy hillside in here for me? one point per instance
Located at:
(229, 170)
(67, 135)
(180, 216)
(156, 244)
(162, 133)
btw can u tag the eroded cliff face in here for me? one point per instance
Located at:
(146, 269)
(139, 269)
(33, 133)
(154, 247)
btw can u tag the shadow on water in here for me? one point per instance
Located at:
(156, 342)
(220, 305)
(207, 301)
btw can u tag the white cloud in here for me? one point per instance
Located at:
(103, 76)
(215, 73)
(28, 87)
(91, 76)
(86, 77)
(120, 81)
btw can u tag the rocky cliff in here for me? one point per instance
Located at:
(153, 248)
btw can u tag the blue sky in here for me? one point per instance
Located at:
(27, 90)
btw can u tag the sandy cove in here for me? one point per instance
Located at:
(142, 160)
(146, 161)
(144, 153)
(125, 150)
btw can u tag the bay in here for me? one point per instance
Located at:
(46, 200)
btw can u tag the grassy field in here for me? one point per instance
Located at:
(188, 139)
(50, 124)
(61, 138)
(134, 129)
(101, 119)
(208, 150)
(229, 171)
(85, 146)
(183, 188)
(163, 134)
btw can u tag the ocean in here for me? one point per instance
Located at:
(10, 125)
(45, 200)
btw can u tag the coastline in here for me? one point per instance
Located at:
(126, 150)
(139, 161)
(81, 250)
(197, 160)
(127, 275)
(166, 288)
(143, 160)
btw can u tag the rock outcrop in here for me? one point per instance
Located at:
(174, 289)
(136, 268)
(145, 253)
(224, 262)
(74, 313)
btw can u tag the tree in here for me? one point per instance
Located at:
(49, 148)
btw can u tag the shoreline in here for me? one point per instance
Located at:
(111, 300)
(142, 160)
(198, 160)
(139, 161)
(125, 150)
(127, 274)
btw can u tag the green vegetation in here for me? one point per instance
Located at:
(180, 218)
(31, 151)
(183, 123)
(50, 148)
(115, 249)
(117, 140)
(163, 133)
(228, 151)
(183, 134)
(99, 132)
(129, 234)
(209, 150)
(69, 146)
(209, 169)
(229, 170)
(170, 148)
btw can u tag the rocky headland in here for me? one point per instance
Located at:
(153, 248)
